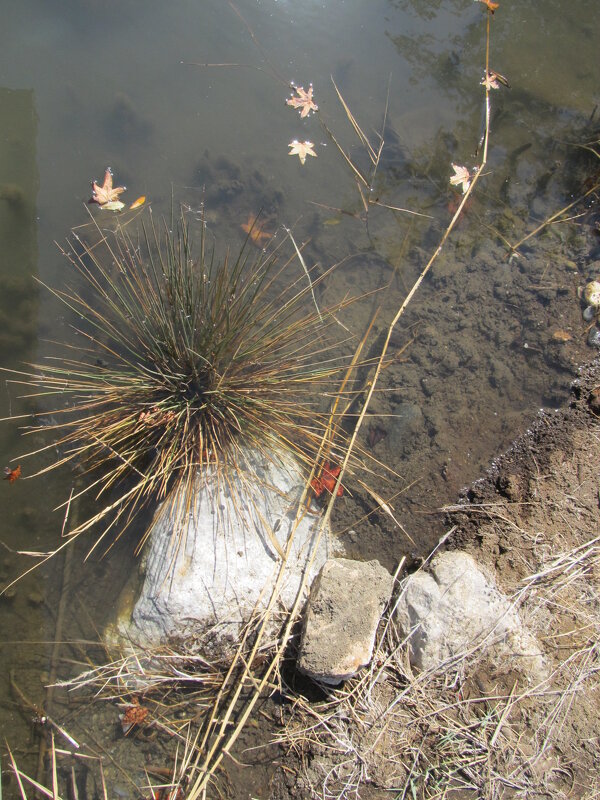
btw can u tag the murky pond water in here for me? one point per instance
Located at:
(186, 101)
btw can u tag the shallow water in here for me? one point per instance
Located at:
(119, 84)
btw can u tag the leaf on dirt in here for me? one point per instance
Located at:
(105, 194)
(461, 176)
(114, 205)
(561, 336)
(303, 100)
(301, 149)
(134, 715)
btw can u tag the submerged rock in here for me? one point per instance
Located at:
(454, 608)
(225, 558)
(343, 612)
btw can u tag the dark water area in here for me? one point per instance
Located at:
(186, 103)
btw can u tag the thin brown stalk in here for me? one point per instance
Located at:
(554, 217)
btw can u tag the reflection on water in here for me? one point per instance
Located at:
(475, 355)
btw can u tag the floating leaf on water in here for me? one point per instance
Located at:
(301, 149)
(461, 176)
(303, 100)
(11, 475)
(491, 6)
(114, 205)
(105, 194)
(493, 80)
(137, 203)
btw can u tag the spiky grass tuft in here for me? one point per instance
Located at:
(186, 362)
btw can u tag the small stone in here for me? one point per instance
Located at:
(343, 611)
(427, 386)
(591, 294)
(9, 594)
(406, 427)
(453, 608)
(593, 338)
(35, 598)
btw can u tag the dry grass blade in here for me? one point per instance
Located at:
(373, 155)
(307, 273)
(39, 788)
(556, 217)
(386, 508)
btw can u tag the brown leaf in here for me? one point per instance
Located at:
(491, 6)
(106, 193)
(561, 336)
(11, 475)
(137, 203)
(303, 100)
(301, 149)
(461, 176)
(134, 715)
(254, 231)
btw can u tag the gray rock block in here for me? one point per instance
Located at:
(344, 608)
(453, 608)
(213, 572)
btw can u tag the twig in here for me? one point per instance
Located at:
(38, 712)
(554, 217)
(299, 254)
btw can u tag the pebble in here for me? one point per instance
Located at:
(589, 312)
(593, 338)
(35, 598)
(8, 595)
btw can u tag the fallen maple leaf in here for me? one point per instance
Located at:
(135, 714)
(327, 480)
(255, 233)
(461, 176)
(106, 193)
(301, 149)
(304, 100)
(11, 475)
(491, 6)
(492, 80)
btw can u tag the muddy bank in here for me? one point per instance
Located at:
(533, 521)
(558, 450)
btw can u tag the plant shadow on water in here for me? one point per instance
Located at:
(465, 369)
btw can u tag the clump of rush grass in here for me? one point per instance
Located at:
(186, 363)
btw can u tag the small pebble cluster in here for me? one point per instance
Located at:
(590, 296)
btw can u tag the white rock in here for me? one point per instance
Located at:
(453, 608)
(341, 619)
(226, 561)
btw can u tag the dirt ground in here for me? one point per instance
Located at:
(535, 519)
(482, 728)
